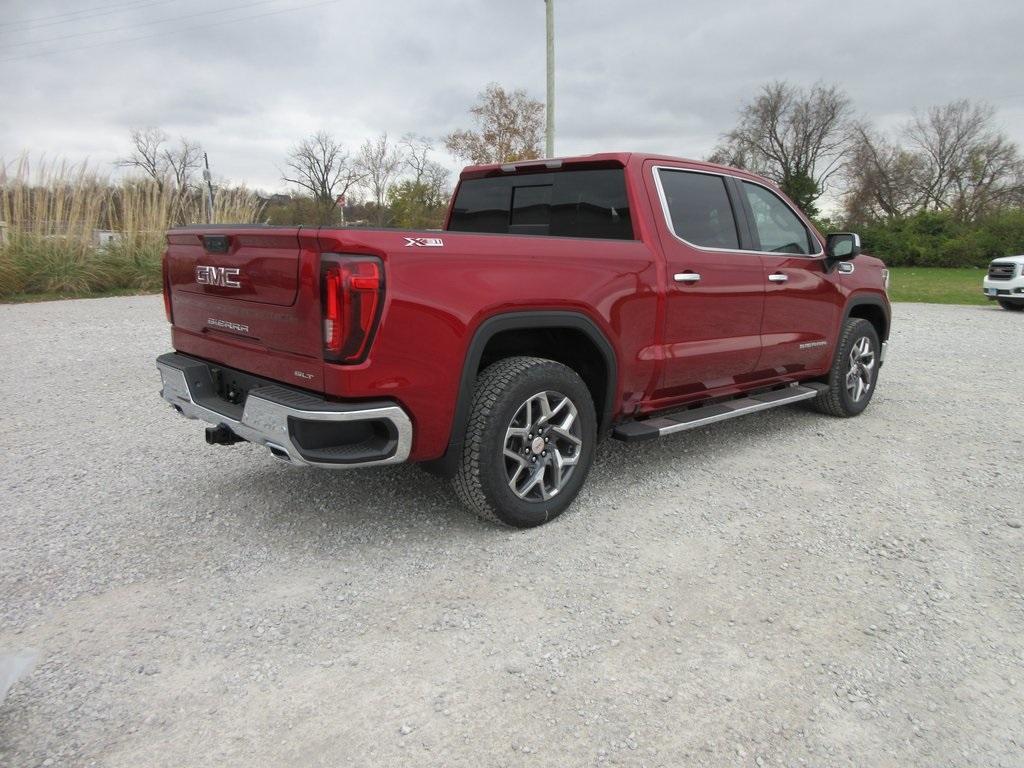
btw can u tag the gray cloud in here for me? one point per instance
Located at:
(660, 76)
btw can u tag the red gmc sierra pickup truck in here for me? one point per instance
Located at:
(565, 300)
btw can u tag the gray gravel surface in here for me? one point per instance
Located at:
(784, 589)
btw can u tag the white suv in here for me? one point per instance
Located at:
(1005, 282)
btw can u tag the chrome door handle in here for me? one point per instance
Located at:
(686, 277)
(778, 277)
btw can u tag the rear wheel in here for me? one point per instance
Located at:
(851, 381)
(529, 442)
(1013, 306)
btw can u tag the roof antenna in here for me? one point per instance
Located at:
(209, 189)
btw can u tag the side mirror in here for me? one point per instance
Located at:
(842, 246)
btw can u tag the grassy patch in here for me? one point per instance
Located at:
(935, 285)
(61, 267)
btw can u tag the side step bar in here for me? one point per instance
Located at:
(709, 414)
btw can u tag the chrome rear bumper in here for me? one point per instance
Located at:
(272, 415)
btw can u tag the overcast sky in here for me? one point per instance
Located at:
(639, 75)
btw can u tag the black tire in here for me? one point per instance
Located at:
(1013, 306)
(482, 481)
(838, 400)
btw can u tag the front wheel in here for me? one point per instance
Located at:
(1013, 306)
(529, 442)
(854, 373)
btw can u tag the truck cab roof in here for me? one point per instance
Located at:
(598, 160)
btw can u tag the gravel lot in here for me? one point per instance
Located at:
(784, 589)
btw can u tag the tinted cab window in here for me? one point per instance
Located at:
(778, 228)
(698, 208)
(584, 203)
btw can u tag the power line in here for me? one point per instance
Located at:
(134, 26)
(79, 12)
(32, 23)
(194, 28)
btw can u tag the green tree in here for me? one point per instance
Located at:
(802, 190)
(415, 205)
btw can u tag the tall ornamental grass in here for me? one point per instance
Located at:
(51, 214)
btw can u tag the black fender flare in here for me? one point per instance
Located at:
(869, 299)
(512, 321)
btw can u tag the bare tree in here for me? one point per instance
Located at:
(183, 162)
(145, 155)
(883, 179)
(426, 173)
(509, 127)
(165, 164)
(969, 165)
(379, 162)
(952, 159)
(321, 166)
(995, 178)
(799, 139)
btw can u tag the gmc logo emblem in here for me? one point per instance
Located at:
(220, 276)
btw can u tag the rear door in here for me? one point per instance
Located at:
(802, 299)
(715, 291)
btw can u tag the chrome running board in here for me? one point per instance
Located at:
(701, 416)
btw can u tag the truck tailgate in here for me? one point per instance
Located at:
(235, 297)
(257, 265)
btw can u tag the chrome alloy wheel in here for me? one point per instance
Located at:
(860, 375)
(542, 446)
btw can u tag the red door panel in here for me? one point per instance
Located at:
(800, 315)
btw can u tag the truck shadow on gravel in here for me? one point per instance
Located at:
(406, 497)
(399, 496)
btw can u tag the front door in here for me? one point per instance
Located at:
(802, 299)
(715, 290)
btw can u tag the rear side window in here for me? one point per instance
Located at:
(778, 228)
(586, 203)
(699, 209)
(481, 207)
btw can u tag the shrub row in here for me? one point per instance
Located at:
(938, 239)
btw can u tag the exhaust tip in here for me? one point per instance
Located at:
(279, 453)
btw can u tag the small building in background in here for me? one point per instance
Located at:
(102, 238)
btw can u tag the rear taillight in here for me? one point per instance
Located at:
(352, 294)
(167, 291)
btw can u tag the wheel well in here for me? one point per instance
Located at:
(875, 315)
(568, 346)
(565, 337)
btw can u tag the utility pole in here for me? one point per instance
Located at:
(209, 189)
(549, 133)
